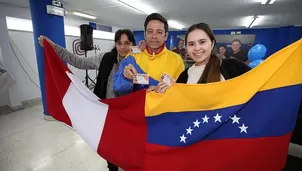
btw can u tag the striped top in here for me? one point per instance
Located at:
(89, 63)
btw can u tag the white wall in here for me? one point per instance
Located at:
(25, 87)
(23, 49)
(10, 64)
(105, 46)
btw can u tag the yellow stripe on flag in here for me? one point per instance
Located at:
(282, 69)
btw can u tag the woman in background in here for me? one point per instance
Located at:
(222, 52)
(106, 63)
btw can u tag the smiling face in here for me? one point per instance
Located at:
(222, 50)
(123, 45)
(236, 46)
(199, 46)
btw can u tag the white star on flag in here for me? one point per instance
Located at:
(205, 119)
(217, 118)
(243, 128)
(183, 138)
(235, 119)
(196, 123)
(189, 131)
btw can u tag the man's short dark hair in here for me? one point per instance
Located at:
(156, 16)
(222, 46)
(236, 40)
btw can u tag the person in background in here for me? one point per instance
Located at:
(222, 52)
(154, 61)
(180, 49)
(200, 42)
(107, 64)
(237, 52)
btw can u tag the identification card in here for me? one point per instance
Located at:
(135, 49)
(141, 79)
(167, 79)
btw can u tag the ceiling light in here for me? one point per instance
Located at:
(263, 2)
(272, 1)
(253, 22)
(19, 24)
(83, 15)
(250, 21)
(26, 25)
(175, 24)
(138, 6)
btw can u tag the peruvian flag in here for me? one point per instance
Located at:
(118, 130)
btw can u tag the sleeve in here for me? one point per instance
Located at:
(242, 67)
(183, 77)
(121, 84)
(180, 66)
(92, 62)
(236, 67)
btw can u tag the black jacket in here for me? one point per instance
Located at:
(229, 68)
(105, 68)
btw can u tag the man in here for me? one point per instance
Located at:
(180, 49)
(237, 52)
(154, 61)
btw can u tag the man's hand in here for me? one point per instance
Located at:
(130, 72)
(247, 62)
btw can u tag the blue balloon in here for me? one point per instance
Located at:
(256, 52)
(255, 63)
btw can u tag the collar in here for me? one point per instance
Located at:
(153, 55)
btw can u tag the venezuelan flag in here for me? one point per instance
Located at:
(243, 123)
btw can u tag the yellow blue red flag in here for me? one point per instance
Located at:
(243, 123)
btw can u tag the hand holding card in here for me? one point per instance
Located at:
(141, 79)
(135, 49)
(165, 82)
(167, 79)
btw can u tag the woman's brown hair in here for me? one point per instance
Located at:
(211, 72)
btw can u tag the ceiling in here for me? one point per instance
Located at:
(219, 14)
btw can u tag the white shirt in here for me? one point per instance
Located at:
(195, 72)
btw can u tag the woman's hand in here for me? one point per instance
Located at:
(160, 88)
(44, 38)
(142, 45)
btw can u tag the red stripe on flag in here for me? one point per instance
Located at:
(56, 84)
(259, 154)
(124, 137)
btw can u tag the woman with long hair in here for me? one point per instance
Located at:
(200, 42)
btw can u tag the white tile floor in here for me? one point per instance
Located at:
(29, 143)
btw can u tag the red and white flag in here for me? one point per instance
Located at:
(109, 131)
